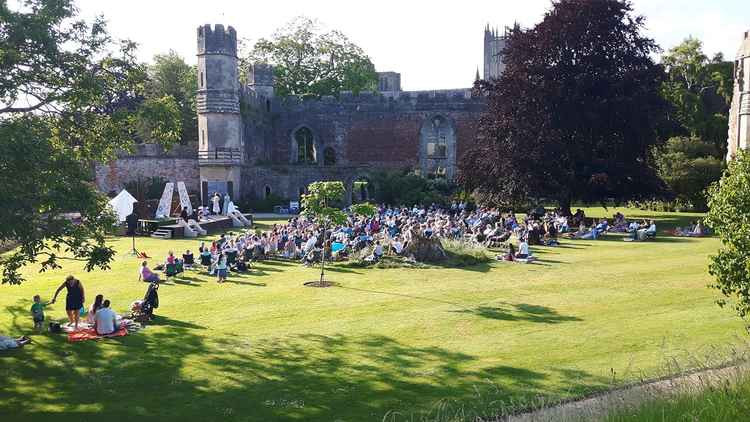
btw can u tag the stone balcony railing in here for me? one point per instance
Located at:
(220, 157)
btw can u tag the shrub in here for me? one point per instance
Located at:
(688, 166)
(729, 216)
(405, 188)
(262, 205)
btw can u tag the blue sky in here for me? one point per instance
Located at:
(433, 44)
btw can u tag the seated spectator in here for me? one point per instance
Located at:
(508, 256)
(523, 249)
(105, 321)
(378, 251)
(206, 257)
(146, 274)
(170, 258)
(98, 300)
(397, 246)
(648, 231)
(187, 259)
(240, 266)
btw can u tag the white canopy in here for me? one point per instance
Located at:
(122, 204)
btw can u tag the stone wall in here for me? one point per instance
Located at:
(367, 132)
(178, 164)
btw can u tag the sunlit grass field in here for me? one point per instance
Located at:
(263, 347)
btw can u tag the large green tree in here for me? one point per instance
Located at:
(574, 116)
(699, 91)
(729, 216)
(169, 76)
(310, 62)
(70, 96)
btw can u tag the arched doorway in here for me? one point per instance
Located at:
(437, 147)
(361, 190)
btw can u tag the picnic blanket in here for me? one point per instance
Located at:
(91, 334)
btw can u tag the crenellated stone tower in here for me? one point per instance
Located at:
(261, 79)
(220, 143)
(739, 113)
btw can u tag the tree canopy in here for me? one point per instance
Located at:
(688, 166)
(729, 208)
(310, 62)
(70, 95)
(170, 77)
(699, 91)
(575, 114)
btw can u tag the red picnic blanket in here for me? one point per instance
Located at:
(91, 334)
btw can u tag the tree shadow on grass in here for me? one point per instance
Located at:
(399, 295)
(278, 262)
(173, 371)
(340, 269)
(519, 312)
(234, 280)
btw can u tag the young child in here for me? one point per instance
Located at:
(37, 312)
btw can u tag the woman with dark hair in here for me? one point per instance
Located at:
(74, 298)
(94, 307)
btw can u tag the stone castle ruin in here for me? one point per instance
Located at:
(252, 144)
(739, 112)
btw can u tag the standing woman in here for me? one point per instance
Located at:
(74, 298)
(221, 268)
(216, 208)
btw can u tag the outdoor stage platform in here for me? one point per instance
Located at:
(211, 224)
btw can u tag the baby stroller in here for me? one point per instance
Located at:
(143, 310)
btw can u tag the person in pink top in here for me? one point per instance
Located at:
(147, 275)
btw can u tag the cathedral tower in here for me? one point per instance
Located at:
(739, 113)
(220, 144)
(494, 44)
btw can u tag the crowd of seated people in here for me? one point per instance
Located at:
(391, 229)
(695, 229)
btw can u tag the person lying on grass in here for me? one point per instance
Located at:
(13, 343)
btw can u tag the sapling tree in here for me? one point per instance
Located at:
(319, 206)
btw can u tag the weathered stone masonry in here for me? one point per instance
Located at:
(252, 143)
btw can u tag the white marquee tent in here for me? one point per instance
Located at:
(122, 204)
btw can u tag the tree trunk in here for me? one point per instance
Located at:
(565, 205)
(323, 257)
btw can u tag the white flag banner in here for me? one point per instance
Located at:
(184, 198)
(165, 203)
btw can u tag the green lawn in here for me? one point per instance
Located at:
(263, 347)
(706, 402)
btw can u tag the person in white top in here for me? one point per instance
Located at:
(523, 249)
(215, 200)
(105, 320)
(378, 252)
(397, 246)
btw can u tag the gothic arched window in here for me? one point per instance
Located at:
(305, 145)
